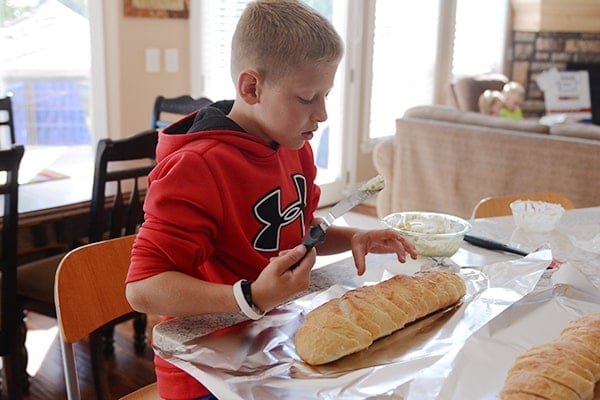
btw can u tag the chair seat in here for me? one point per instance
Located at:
(36, 279)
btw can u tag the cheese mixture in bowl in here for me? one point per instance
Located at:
(433, 234)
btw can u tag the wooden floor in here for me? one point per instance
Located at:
(127, 371)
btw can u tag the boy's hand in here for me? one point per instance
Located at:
(380, 241)
(277, 283)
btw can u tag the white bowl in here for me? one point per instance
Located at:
(433, 234)
(536, 216)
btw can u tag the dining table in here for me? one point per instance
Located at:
(54, 181)
(513, 302)
(55, 192)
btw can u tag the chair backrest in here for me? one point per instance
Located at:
(89, 292)
(122, 166)
(8, 121)
(466, 91)
(10, 160)
(498, 206)
(182, 105)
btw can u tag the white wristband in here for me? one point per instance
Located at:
(241, 301)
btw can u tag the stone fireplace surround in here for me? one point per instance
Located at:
(531, 53)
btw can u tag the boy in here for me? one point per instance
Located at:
(233, 192)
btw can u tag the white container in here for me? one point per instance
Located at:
(536, 216)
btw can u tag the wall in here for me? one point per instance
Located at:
(130, 89)
(556, 15)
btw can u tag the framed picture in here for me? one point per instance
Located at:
(156, 8)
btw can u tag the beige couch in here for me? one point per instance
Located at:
(445, 160)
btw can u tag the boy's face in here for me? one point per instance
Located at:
(289, 111)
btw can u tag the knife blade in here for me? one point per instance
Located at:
(316, 233)
(492, 245)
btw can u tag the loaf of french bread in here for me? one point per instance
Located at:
(565, 368)
(348, 324)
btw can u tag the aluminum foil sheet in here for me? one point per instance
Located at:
(257, 359)
(478, 369)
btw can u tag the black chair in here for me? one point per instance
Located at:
(121, 167)
(6, 107)
(10, 348)
(182, 105)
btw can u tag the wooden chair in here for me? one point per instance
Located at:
(90, 295)
(10, 349)
(121, 166)
(6, 107)
(182, 105)
(498, 206)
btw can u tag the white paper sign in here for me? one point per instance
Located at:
(566, 92)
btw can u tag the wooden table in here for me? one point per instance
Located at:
(53, 199)
(54, 213)
(177, 337)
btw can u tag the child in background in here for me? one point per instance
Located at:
(234, 189)
(513, 94)
(490, 102)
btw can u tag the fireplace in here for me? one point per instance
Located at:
(531, 53)
(594, 75)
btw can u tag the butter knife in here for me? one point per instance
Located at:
(316, 233)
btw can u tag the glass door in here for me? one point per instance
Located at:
(405, 42)
(330, 141)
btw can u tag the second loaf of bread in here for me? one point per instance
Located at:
(352, 322)
(565, 368)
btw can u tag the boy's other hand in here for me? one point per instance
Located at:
(380, 241)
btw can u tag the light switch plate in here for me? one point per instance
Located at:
(152, 59)
(172, 60)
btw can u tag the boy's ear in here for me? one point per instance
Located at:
(248, 86)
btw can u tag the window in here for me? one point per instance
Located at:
(479, 41)
(404, 58)
(45, 66)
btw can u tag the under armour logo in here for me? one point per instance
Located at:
(270, 213)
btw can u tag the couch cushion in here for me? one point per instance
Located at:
(449, 114)
(574, 129)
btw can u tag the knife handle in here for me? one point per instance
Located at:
(492, 245)
(315, 236)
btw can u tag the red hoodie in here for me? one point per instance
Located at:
(219, 204)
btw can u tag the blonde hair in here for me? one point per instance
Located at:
(274, 37)
(513, 87)
(488, 99)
